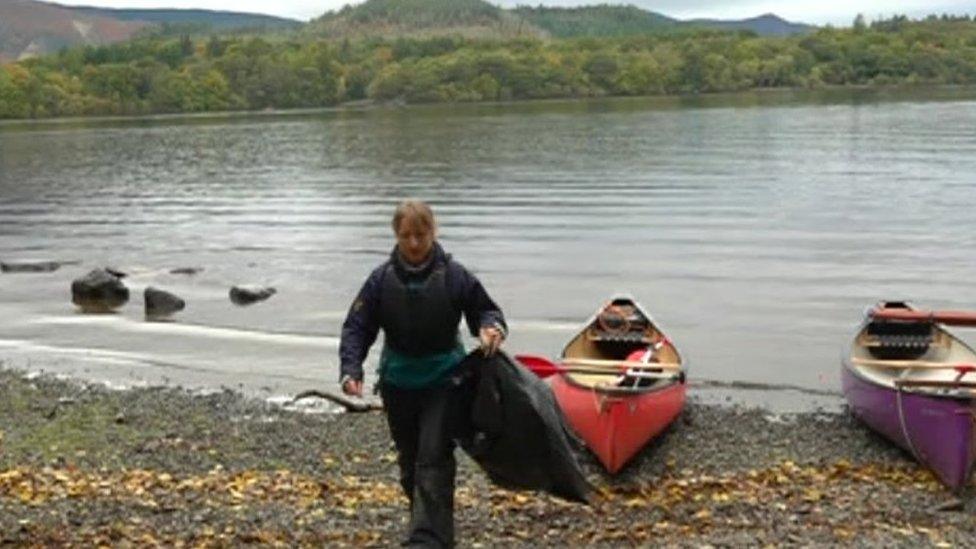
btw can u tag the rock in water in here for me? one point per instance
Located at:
(29, 266)
(99, 292)
(118, 273)
(160, 303)
(186, 271)
(247, 294)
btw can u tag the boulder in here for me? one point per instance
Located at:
(250, 293)
(99, 292)
(161, 303)
(29, 266)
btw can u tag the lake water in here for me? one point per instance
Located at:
(755, 228)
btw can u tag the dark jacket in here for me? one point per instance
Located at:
(364, 320)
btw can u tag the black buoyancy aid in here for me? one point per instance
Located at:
(418, 316)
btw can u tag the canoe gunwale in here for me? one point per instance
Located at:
(905, 386)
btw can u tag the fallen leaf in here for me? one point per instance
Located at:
(635, 502)
(812, 495)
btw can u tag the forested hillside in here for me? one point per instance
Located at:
(478, 18)
(152, 75)
(603, 20)
(32, 27)
(420, 18)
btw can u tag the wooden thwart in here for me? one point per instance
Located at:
(911, 364)
(642, 374)
(674, 366)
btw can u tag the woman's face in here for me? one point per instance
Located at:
(414, 240)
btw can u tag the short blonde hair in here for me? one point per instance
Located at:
(414, 209)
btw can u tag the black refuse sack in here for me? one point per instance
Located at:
(509, 422)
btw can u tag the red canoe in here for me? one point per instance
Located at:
(620, 381)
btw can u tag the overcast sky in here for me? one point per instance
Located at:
(837, 12)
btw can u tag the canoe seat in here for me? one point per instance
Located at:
(899, 340)
(625, 337)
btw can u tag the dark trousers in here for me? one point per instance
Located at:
(420, 423)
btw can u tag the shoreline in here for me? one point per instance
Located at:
(774, 399)
(368, 105)
(81, 463)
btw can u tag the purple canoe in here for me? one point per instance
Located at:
(914, 382)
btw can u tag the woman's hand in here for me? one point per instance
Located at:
(491, 339)
(353, 387)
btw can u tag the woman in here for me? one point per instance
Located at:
(418, 297)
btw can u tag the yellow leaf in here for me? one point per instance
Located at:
(635, 502)
(812, 495)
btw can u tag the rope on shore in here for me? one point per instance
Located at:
(350, 404)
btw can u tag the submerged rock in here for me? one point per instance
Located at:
(160, 303)
(186, 270)
(99, 292)
(29, 266)
(116, 272)
(250, 293)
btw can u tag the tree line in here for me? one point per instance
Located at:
(164, 74)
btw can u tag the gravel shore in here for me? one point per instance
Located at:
(83, 464)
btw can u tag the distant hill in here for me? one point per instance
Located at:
(216, 20)
(399, 18)
(478, 18)
(602, 20)
(765, 25)
(29, 27)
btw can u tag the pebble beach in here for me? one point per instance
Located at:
(85, 465)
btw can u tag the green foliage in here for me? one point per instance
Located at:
(187, 74)
(424, 13)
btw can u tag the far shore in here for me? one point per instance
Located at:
(889, 92)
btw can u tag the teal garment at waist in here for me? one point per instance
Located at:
(418, 372)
